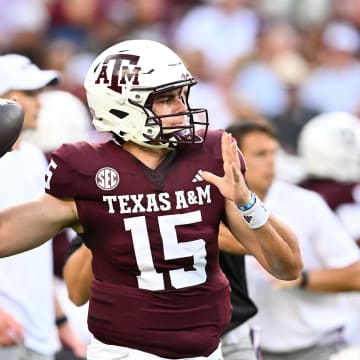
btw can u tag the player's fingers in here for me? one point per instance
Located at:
(230, 152)
(235, 173)
(210, 177)
(226, 148)
(235, 153)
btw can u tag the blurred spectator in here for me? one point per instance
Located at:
(65, 56)
(347, 10)
(74, 73)
(151, 20)
(205, 28)
(208, 91)
(292, 69)
(256, 85)
(74, 19)
(57, 53)
(89, 24)
(330, 146)
(334, 85)
(23, 24)
(301, 13)
(300, 319)
(63, 118)
(27, 292)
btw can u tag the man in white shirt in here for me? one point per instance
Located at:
(301, 319)
(27, 307)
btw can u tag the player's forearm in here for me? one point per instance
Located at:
(28, 225)
(334, 280)
(280, 250)
(274, 245)
(21, 233)
(228, 243)
(78, 275)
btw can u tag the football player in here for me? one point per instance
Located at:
(330, 147)
(28, 308)
(148, 204)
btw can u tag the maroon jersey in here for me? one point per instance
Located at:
(153, 234)
(334, 192)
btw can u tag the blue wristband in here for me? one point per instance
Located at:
(249, 204)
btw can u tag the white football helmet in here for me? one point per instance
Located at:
(330, 146)
(121, 84)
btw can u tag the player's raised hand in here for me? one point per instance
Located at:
(232, 185)
(11, 122)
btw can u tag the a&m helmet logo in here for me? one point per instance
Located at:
(107, 178)
(120, 74)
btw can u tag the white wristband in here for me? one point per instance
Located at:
(255, 216)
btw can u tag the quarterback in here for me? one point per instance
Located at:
(148, 204)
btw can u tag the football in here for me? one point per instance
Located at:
(11, 122)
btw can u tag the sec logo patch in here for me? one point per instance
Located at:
(107, 178)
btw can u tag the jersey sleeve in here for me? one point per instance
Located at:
(61, 177)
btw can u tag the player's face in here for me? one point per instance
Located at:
(260, 151)
(171, 102)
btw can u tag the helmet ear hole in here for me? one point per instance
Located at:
(137, 97)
